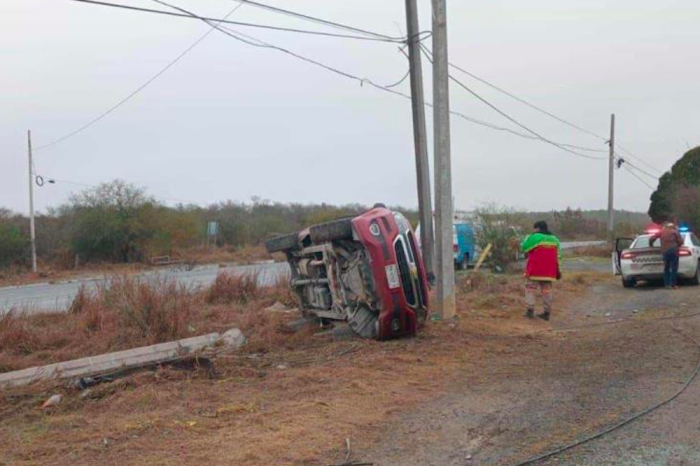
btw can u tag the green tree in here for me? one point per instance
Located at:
(677, 197)
(14, 245)
(112, 222)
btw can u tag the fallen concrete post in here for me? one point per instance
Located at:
(128, 359)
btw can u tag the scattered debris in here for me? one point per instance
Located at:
(53, 401)
(279, 307)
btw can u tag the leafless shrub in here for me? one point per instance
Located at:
(229, 288)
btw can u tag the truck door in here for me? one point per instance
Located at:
(620, 245)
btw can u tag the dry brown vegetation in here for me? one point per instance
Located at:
(591, 251)
(127, 312)
(246, 254)
(285, 399)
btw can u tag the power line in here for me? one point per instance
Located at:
(315, 19)
(258, 43)
(639, 159)
(549, 114)
(641, 180)
(92, 186)
(376, 37)
(513, 120)
(654, 177)
(529, 104)
(134, 93)
(247, 39)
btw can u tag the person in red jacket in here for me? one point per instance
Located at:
(543, 268)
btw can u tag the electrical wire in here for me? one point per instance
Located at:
(92, 186)
(550, 114)
(630, 419)
(318, 20)
(638, 177)
(529, 104)
(247, 39)
(134, 93)
(214, 23)
(654, 177)
(639, 159)
(375, 38)
(513, 120)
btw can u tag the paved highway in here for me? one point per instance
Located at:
(56, 297)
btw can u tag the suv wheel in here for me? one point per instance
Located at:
(628, 282)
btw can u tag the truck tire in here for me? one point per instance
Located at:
(628, 282)
(331, 231)
(282, 243)
(464, 265)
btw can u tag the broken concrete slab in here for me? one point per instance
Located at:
(128, 359)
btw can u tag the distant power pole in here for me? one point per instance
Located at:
(444, 213)
(32, 233)
(420, 136)
(611, 181)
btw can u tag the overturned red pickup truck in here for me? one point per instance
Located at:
(365, 270)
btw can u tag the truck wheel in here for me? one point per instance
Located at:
(282, 243)
(462, 265)
(628, 282)
(331, 231)
(695, 281)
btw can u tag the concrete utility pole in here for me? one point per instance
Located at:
(611, 181)
(32, 233)
(420, 136)
(444, 213)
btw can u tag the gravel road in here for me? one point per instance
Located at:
(56, 297)
(547, 390)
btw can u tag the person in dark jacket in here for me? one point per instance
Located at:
(543, 268)
(671, 241)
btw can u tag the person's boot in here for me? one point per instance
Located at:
(530, 314)
(544, 315)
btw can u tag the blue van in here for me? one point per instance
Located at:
(464, 244)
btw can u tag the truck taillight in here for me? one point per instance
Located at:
(683, 252)
(626, 255)
(455, 248)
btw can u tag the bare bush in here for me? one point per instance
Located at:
(16, 335)
(501, 228)
(229, 288)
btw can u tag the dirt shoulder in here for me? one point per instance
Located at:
(553, 389)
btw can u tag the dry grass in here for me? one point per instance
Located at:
(229, 288)
(126, 312)
(247, 254)
(590, 251)
(285, 399)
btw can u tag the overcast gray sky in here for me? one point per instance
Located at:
(231, 121)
